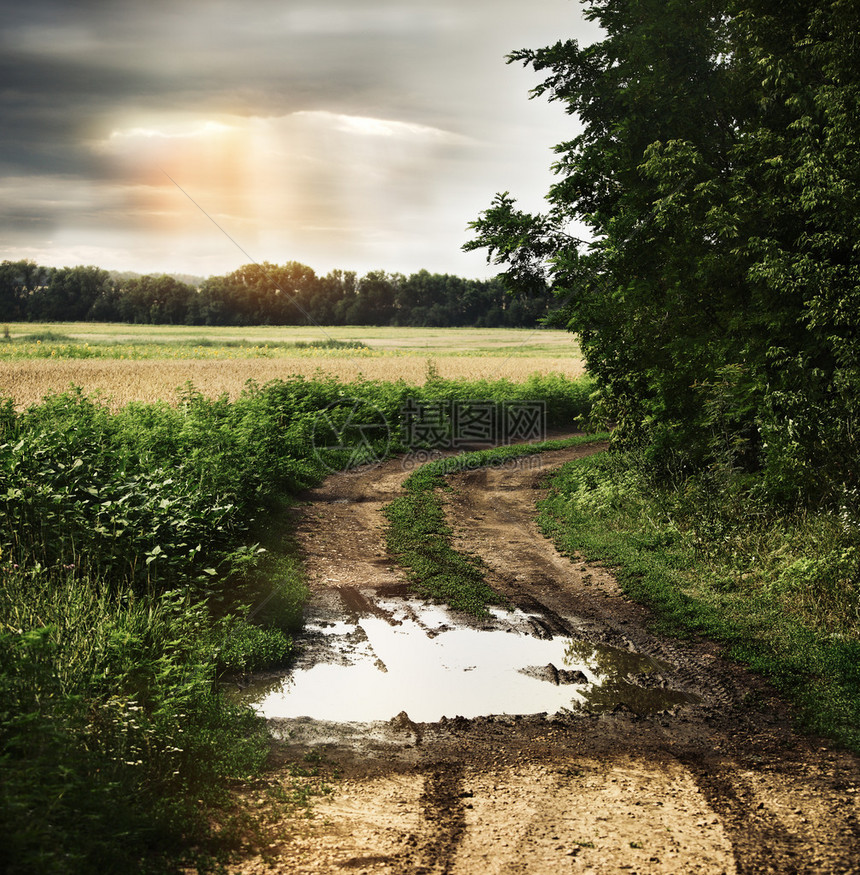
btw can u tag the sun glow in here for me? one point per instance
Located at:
(308, 181)
(172, 131)
(206, 156)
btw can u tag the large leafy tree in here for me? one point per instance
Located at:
(716, 169)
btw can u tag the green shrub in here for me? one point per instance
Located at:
(244, 647)
(111, 728)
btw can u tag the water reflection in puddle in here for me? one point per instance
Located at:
(414, 657)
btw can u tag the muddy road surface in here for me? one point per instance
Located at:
(558, 735)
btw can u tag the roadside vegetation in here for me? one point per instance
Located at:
(144, 554)
(778, 588)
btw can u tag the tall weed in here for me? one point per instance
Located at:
(114, 740)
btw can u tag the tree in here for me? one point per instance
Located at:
(19, 280)
(798, 183)
(147, 300)
(717, 304)
(335, 292)
(375, 303)
(69, 293)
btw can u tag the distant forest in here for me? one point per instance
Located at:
(260, 294)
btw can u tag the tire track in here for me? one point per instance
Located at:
(715, 789)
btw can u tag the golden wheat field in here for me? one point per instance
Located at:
(147, 363)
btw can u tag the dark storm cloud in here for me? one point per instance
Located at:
(72, 73)
(66, 69)
(66, 66)
(47, 107)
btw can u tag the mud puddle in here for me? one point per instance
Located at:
(396, 655)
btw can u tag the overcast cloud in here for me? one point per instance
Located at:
(340, 133)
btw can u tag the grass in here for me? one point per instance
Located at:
(49, 345)
(420, 540)
(779, 589)
(429, 341)
(115, 742)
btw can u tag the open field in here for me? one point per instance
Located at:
(145, 363)
(431, 341)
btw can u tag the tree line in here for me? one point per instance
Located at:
(261, 294)
(716, 167)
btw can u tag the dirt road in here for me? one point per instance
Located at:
(683, 765)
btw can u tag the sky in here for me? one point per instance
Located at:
(194, 136)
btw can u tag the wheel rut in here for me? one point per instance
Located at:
(717, 782)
